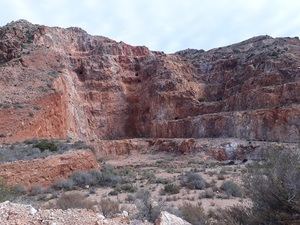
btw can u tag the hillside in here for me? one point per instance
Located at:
(60, 83)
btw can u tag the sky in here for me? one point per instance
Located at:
(163, 25)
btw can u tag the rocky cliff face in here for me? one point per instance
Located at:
(59, 83)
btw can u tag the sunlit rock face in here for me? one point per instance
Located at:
(65, 83)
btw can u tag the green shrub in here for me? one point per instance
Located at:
(231, 189)
(46, 145)
(171, 189)
(193, 181)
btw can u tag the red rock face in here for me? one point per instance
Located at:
(44, 172)
(59, 83)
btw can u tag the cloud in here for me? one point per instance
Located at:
(167, 25)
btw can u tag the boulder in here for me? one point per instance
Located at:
(166, 218)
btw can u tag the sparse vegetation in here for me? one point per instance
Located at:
(171, 189)
(81, 179)
(19, 189)
(207, 194)
(126, 188)
(32, 149)
(106, 177)
(109, 208)
(5, 192)
(46, 145)
(74, 201)
(147, 209)
(194, 214)
(231, 189)
(193, 181)
(272, 180)
(274, 189)
(65, 184)
(36, 190)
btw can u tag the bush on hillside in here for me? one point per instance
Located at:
(193, 181)
(274, 189)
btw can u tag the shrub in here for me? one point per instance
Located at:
(82, 179)
(113, 193)
(149, 176)
(105, 177)
(5, 192)
(231, 189)
(193, 181)
(126, 188)
(274, 189)
(162, 180)
(108, 176)
(66, 184)
(74, 201)
(194, 214)
(46, 145)
(37, 190)
(130, 198)
(147, 209)
(80, 145)
(171, 189)
(221, 177)
(235, 215)
(109, 208)
(207, 194)
(19, 189)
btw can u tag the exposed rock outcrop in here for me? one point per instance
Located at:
(12, 213)
(59, 83)
(166, 218)
(44, 172)
(218, 148)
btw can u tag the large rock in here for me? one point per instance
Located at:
(166, 218)
(59, 83)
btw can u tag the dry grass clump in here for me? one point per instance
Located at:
(109, 208)
(74, 201)
(194, 214)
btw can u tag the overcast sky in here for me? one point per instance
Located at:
(166, 25)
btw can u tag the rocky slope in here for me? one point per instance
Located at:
(12, 213)
(60, 83)
(45, 171)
